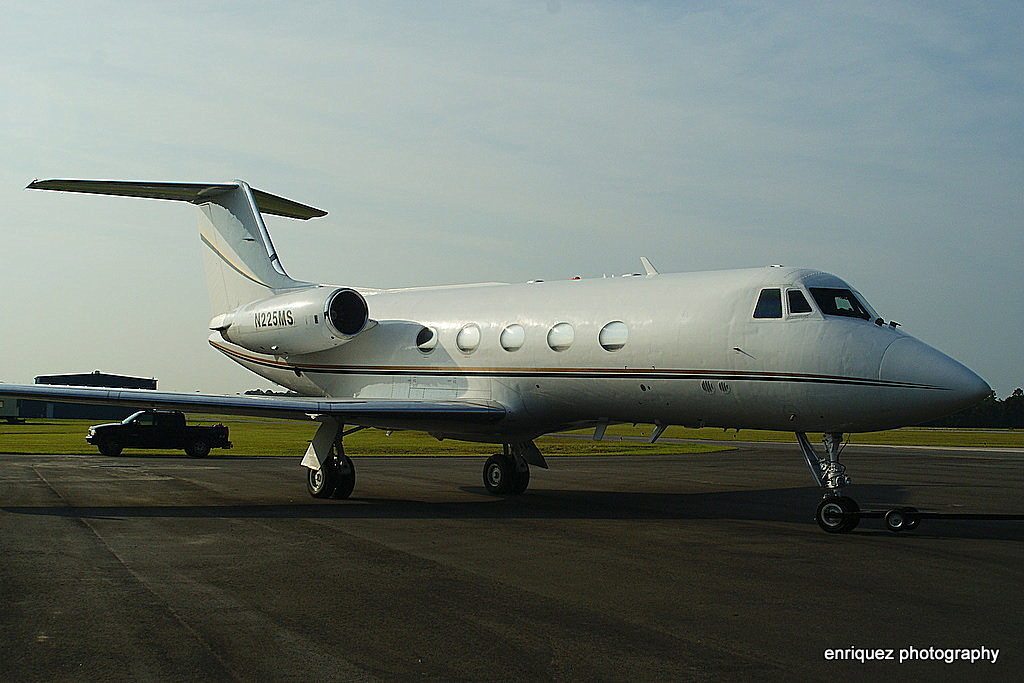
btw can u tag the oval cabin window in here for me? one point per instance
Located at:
(561, 337)
(468, 338)
(426, 340)
(512, 338)
(613, 336)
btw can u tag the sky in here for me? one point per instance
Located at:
(457, 142)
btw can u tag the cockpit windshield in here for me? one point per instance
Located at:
(842, 302)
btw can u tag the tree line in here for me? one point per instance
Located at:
(1007, 413)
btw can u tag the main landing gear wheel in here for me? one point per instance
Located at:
(320, 483)
(503, 478)
(521, 482)
(837, 515)
(336, 478)
(900, 519)
(346, 477)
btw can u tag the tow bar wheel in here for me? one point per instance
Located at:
(900, 519)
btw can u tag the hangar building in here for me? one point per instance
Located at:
(84, 411)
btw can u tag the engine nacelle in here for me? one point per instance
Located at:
(307, 321)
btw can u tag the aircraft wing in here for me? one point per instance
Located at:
(384, 413)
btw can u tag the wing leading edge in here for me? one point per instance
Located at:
(384, 413)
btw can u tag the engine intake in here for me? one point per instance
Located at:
(306, 321)
(346, 312)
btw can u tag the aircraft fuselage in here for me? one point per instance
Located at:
(682, 349)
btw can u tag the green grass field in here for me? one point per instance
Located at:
(289, 438)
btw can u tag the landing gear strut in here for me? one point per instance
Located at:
(508, 473)
(330, 473)
(836, 514)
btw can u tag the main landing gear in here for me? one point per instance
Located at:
(336, 478)
(508, 473)
(330, 473)
(836, 513)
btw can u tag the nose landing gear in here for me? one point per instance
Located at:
(836, 514)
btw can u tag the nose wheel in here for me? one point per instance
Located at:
(837, 514)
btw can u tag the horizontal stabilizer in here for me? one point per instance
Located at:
(369, 412)
(194, 193)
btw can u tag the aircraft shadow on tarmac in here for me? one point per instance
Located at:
(793, 505)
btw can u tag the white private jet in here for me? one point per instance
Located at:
(766, 348)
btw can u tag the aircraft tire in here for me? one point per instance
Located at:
(835, 515)
(521, 482)
(344, 478)
(322, 482)
(111, 448)
(500, 474)
(197, 448)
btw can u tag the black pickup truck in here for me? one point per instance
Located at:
(157, 429)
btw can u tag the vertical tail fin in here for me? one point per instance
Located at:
(240, 260)
(239, 256)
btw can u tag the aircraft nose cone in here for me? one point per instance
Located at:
(945, 385)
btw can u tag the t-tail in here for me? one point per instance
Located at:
(241, 262)
(254, 302)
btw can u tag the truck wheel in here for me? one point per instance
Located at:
(110, 448)
(197, 448)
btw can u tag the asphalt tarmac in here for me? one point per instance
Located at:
(688, 567)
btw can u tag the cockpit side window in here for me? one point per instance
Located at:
(769, 304)
(797, 302)
(840, 302)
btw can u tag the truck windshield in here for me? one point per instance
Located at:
(132, 417)
(839, 302)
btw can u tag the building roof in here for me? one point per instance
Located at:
(98, 379)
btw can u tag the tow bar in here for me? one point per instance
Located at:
(907, 518)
